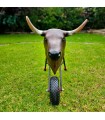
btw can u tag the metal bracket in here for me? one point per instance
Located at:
(60, 78)
(49, 74)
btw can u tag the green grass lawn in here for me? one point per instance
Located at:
(23, 82)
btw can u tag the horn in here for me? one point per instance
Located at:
(32, 27)
(78, 29)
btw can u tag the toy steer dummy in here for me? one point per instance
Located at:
(54, 43)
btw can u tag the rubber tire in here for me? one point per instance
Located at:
(54, 91)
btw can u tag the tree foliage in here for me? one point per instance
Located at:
(12, 19)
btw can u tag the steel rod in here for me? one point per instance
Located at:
(60, 72)
(49, 75)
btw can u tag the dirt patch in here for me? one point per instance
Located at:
(100, 31)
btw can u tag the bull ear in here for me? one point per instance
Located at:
(78, 29)
(32, 27)
(44, 33)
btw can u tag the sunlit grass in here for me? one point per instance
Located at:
(23, 82)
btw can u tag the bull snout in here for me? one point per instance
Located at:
(54, 55)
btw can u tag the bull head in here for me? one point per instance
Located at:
(54, 43)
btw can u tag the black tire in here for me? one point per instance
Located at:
(54, 90)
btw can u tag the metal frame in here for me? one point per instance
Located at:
(60, 74)
(60, 77)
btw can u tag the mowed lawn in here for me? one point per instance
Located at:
(23, 82)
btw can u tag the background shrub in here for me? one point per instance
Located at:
(12, 19)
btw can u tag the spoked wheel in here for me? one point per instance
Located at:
(54, 90)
